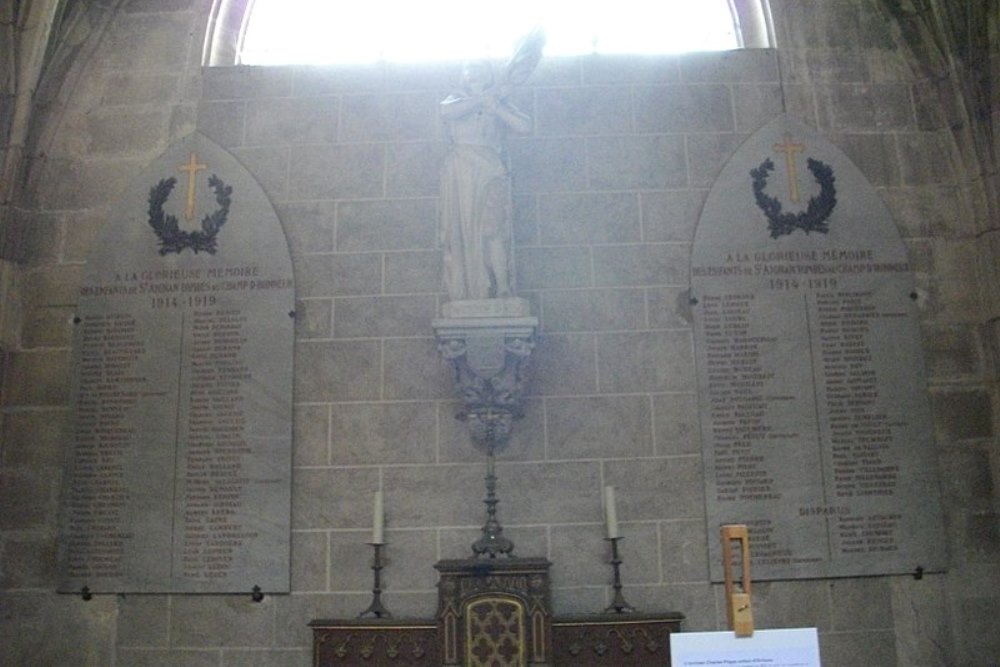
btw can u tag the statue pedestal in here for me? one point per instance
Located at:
(488, 343)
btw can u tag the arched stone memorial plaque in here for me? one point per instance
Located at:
(812, 399)
(179, 475)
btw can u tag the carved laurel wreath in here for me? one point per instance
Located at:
(814, 218)
(172, 237)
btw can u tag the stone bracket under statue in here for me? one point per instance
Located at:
(488, 344)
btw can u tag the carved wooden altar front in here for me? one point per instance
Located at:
(497, 613)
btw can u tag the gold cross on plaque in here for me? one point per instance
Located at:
(192, 167)
(789, 149)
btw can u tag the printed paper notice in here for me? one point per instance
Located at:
(797, 647)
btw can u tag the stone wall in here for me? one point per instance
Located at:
(608, 189)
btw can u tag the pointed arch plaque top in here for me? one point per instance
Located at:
(179, 475)
(813, 406)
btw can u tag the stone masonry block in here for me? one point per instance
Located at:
(28, 563)
(953, 352)
(850, 107)
(785, 604)
(413, 272)
(395, 117)
(580, 555)
(268, 657)
(409, 555)
(222, 121)
(641, 69)
(333, 498)
(203, 620)
(383, 316)
(962, 415)
(808, 66)
(48, 327)
(737, 66)
(292, 120)
(150, 42)
(593, 310)
(675, 424)
(925, 158)
(229, 83)
(337, 370)
(337, 172)
(684, 555)
(40, 628)
(36, 378)
(82, 185)
(858, 648)
(124, 131)
(337, 79)
(599, 427)
(570, 219)
(141, 88)
(560, 492)
(34, 438)
(657, 489)
(143, 620)
(636, 162)
(671, 215)
(27, 498)
(308, 225)
(553, 267)
(270, 166)
(383, 433)
(861, 604)
(657, 361)
(641, 265)
(441, 495)
(564, 364)
(669, 307)
(547, 165)
(397, 224)
(339, 274)
(815, 24)
(874, 155)
(583, 111)
(684, 108)
(350, 561)
(757, 103)
(415, 371)
(311, 435)
(53, 286)
(413, 168)
(708, 154)
(924, 211)
(310, 555)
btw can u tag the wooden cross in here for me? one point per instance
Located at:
(192, 167)
(789, 149)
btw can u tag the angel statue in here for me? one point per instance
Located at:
(475, 222)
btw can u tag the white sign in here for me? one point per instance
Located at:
(796, 647)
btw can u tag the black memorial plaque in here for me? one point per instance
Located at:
(179, 475)
(813, 405)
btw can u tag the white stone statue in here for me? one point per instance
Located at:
(475, 224)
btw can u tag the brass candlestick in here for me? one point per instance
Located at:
(618, 605)
(376, 609)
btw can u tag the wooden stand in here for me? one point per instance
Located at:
(739, 611)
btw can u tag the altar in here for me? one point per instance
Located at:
(497, 613)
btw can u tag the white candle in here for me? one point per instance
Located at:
(611, 512)
(378, 521)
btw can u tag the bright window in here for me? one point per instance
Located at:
(327, 32)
